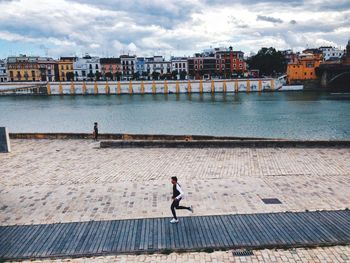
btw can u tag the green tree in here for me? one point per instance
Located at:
(136, 75)
(174, 74)
(109, 75)
(155, 75)
(98, 75)
(118, 75)
(70, 76)
(268, 61)
(183, 74)
(90, 76)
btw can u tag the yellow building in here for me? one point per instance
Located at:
(303, 68)
(65, 68)
(23, 68)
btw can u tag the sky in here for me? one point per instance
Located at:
(168, 27)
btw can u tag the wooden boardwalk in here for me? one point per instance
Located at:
(249, 231)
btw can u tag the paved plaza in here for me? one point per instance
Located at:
(60, 181)
(50, 181)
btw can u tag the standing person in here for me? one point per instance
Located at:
(95, 133)
(178, 194)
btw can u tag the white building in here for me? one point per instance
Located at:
(3, 71)
(331, 53)
(157, 64)
(128, 63)
(179, 64)
(87, 68)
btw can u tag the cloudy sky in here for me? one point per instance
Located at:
(168, 27)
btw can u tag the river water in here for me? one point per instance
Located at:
(292, 115)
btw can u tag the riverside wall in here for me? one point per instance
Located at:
(149, 87)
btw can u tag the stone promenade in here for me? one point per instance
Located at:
(52, 181)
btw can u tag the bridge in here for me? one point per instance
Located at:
(335, 76)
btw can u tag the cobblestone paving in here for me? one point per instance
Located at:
(48, 181)
(316, 255)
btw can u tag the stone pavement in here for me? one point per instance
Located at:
(338, 254)
(50, 181)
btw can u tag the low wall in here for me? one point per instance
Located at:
(225, 144)
(148, 87)
(4, 140)
(182, 141)
(127, 137)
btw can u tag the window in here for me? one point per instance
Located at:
(96, 66)
(184, 65)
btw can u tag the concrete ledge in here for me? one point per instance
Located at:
(223, 144)
(117, 136)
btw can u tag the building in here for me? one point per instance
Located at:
(87, 68)
(48, 68)
(201, 67)
(3, 71)
(128, 64)
(65, 69)
(23, 68)
(289, 55)
(331, 53)
(111, 68)
(229, 63)
(157, 67)
(140, 66)
(179, 66)
(304, 67)
(346, 58)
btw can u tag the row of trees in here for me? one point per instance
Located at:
(70, 76)
(268, 61)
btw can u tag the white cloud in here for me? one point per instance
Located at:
(170, 26)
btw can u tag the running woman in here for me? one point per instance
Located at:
(178, 194)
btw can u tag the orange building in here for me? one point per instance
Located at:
(303, 68)
(65, 68)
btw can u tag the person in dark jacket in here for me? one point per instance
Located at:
(95, 133)
(178, 194)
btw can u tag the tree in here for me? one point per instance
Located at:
(118, 75)
(174, 74)
(98, 75)
(268, 61)
(183, 74)
(109, 75)
(69, 76)
(136, 75)
(155, 75)
(90, 76)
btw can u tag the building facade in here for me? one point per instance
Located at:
(179, 66)
(229, 63)
(23, 68)
(65, 68)
(304, 68)
(201, 67)
(157, 67)
(128, 64)
(3, 71)
(331, 53)
(87, 68)
(48, 68)
(111, 68)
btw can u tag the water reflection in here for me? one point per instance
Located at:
(268, 114)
